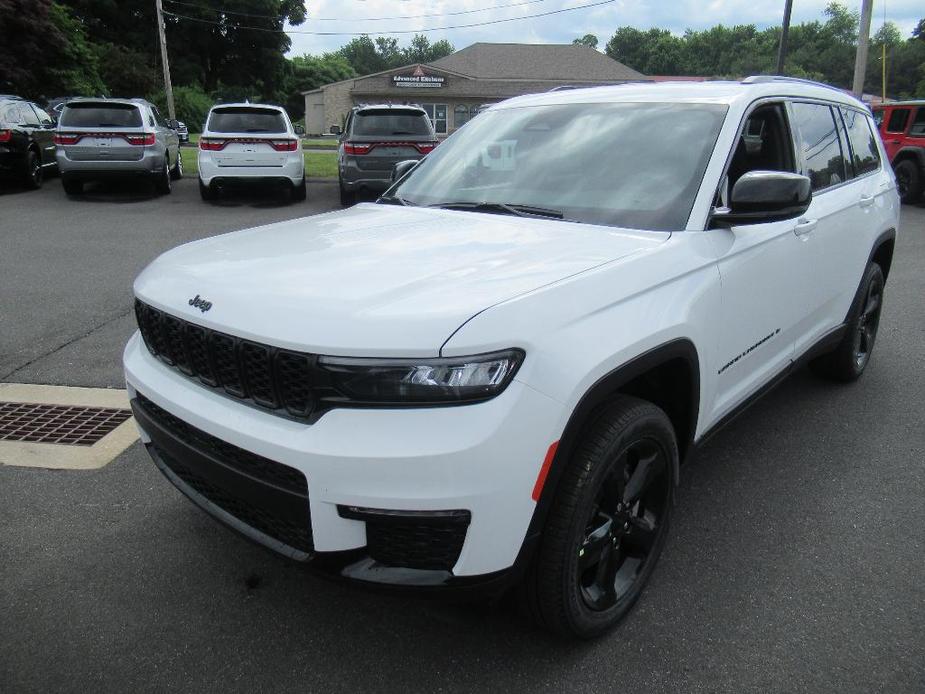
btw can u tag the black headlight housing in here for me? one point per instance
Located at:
(421, 382)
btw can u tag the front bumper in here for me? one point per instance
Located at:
(481, 459)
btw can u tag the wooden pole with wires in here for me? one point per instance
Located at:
(784, 32)
(860, 59)
(168, 87)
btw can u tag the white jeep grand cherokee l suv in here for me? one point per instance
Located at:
(250, 143)
(492, 375)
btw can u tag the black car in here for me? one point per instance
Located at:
(27, 147)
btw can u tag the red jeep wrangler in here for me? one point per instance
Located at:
(902, 127)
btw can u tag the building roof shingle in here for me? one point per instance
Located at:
(536, 62)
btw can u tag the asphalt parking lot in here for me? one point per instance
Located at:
(797, 560)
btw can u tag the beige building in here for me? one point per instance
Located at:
(453, 88)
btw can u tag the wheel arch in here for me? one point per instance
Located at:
(667, 375)
(882, 251)
(908, 153)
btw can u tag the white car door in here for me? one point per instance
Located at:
(835, 231)
(763, 284)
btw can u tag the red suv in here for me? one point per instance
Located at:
(902, 127)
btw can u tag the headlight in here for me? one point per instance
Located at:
(422, 381)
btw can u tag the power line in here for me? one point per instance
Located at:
(221, 10)
(399, 31)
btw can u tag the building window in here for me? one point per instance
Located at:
(437, 115)
(461, 115)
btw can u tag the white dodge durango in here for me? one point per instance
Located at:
(491, 377)
(250, 143)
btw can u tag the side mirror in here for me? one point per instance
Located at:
(403, 167)
(299, 130)
(766, 196)
(172, 124)
(335, 130)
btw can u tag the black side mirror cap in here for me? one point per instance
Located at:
(403, 167)
(766, 196)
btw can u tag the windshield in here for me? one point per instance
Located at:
(635, 165)
(386, 123)
(90, 115)
(247, 120)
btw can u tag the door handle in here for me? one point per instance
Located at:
(866, 200)
(804, 226)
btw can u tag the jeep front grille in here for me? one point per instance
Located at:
(285, 382)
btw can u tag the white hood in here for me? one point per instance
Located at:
(376, 279)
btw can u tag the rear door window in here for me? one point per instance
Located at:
(899, 118)
(247, 120)
(44, 118)
(918, 125)
(823, 160)
(390, 123)
(90, 115)
(865, 157)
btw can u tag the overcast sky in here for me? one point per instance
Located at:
(676, 15)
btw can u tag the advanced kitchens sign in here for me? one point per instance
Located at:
(419, 79)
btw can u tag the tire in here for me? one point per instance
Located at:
(602, 539)
(34, 176)
(206, 192)
(176, 173)
(908, 180)
(299, 191)
(162, 180)
(347, 197)
(71, 186)
(847, 362)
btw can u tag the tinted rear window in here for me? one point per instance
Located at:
(246, 120)
(101, 116)
(389, 123)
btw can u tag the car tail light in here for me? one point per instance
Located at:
(284, 145)
(426, 147)
(6, 135)
(67, 138)
(145, 139)
(211, 145)
(357, 147)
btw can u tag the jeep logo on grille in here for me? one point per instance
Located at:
(200, 303)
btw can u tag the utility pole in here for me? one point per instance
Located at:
(860, 59)
(784, 31)
(168, 87)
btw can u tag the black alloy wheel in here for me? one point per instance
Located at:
(624, 526)
(607, 521)
(868, 322)
(34, 171)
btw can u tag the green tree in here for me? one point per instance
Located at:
(589, 40)
(362, 55)
(308, 72)
(44, 51)
(422, 50)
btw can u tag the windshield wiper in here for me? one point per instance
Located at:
(394, 200)
(501, 208)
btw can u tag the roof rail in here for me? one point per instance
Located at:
(763, 79)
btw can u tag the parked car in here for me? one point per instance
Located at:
(182, 131)
(902, 127)
(102, 139)
(250, 143)
(27, 148)
(374, 139)
(491, 377)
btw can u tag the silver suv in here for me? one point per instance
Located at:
(108, 138)
(375, 138)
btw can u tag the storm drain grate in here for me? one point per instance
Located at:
(67, 424)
